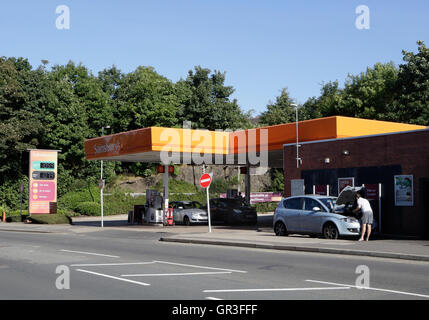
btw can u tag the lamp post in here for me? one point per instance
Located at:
(298, 159)
(102, 182)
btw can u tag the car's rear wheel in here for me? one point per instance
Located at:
(186, 221)
(330, 231)
(280, 229)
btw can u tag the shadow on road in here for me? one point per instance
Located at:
(109, 223)
(264, 221)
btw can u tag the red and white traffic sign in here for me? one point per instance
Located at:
(205, 180)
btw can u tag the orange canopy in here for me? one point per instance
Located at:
(147, 144)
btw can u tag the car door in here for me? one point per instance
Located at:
(292, 212)
(223, 210)
(214, 209)
(311, 219)
(176, 217)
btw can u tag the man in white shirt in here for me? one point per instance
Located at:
(367, 215)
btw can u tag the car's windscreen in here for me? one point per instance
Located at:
(197, 205)
(329, 203)
(191, 205)
(234, 203)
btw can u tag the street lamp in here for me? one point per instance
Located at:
(298, 159)
(101, 181)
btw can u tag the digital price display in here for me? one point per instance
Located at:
(43, 175)
(43, 165)
(47, 165)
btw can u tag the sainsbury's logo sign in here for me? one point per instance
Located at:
(113, 147)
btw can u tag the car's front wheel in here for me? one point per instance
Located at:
(280, 229)
(186, 221)
(330, 231)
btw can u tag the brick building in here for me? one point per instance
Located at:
(374, 159)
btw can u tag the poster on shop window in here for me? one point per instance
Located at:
(404, 192)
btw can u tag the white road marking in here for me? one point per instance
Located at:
(202, 267)
(277, 289)
(370, 288)
(90, 253)
(110, 264)
(112, 277)
(213, 298)
(173, 274)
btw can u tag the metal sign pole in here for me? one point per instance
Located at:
(208, 209)
(101, 202)
(208, 201)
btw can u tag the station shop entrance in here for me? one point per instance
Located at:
(383, 208)
(424, 196)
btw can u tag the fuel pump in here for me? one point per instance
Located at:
(153, 208)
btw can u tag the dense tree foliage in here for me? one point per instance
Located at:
(61, 107)
(383, 92)
(205, 101)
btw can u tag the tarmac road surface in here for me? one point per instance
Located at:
(117, 264)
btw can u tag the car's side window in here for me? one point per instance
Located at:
(311, 203)
(294, 203)
(223, 204)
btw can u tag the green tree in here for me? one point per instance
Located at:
(144, 99)
(412, 102)
(282, 111)
(205, 101)
(369, 94)
(18, 128)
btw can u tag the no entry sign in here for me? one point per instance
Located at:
(205, 180)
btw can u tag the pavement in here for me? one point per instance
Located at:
(258, 237)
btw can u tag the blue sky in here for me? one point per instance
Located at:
(263, 45)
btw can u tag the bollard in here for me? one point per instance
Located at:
(4, 216)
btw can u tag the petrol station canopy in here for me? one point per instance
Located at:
(223, 147)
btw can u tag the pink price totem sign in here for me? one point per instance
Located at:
(43, 181)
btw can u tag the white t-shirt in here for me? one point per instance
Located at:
(364, 205)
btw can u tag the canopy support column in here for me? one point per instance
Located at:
(247, 183)
(165, 191)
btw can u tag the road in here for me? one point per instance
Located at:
(116, 264)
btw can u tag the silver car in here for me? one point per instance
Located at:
(188, 212)
(314, 215)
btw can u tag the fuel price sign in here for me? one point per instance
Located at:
(43, 181)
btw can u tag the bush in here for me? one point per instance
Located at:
(88, 208)
(10, 195)
(16, 218)
(49, 219)
(72, 199)
(67, 212)
(220, 186)
(199, 196)
(265, 206)
(177, 186)
(3, 209)
(15, 213)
